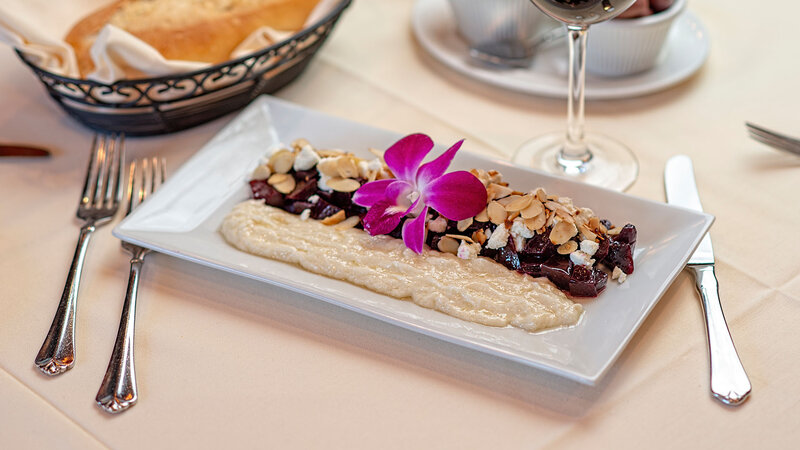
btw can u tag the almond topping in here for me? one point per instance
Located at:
(479, 236)
(562, 232)
(298, 144)
(506, 200)
(497, 214)
(587, 234)
(261, 172)
(347, 167)
(567, 247)
(462, 225)
(537, 222)
(281, 161)
(482, 216)
(461, 237)
(519, 203)
(334, 219)
(282, 182)
(497, 191)
(540, 194)
(614, 231)
(532, 210)
(328, 166)
(343, 184)
(448, 245)
(330, 153)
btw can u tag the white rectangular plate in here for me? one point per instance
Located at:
(182, 219)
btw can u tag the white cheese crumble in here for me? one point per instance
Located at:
(322, 183)
(313, 199)
(619, 275)
(520, 232)
(468, 251)
(589, 247)
(305, 214)
(375, 164)
(580, 258)
(499, 238)
(363, 169)
(305, 159)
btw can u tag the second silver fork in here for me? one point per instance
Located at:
(118, 391)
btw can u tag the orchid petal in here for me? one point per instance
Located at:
(456, 195)
(414, 231)
(405, 155)
(383, 217)
(398, 192)
(370, 193)
(436, 168)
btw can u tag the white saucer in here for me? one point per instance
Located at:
(687, 49)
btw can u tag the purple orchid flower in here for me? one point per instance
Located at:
(455, 195)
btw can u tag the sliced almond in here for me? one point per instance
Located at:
(282, 182)
(462, 225)
(349, 222)
(533, 209)
(552, 205)
(497, 214)
(498, 191)
(537, 222)
(330, 153)
(495, 177)
(519, 203)
(281, 161)
(461, 237)
(587, 234)
(448, 245)
(343, 184)
(479, 236)
(376, 152)
(482, 216)
(551, 218)
(347, 167)
(298, 144)
(562, 232)
(565, 215)
(512, 216)
(334, 219)
(594, 223)
(540, 194)
(506, 200)
(328, 166)
(567, 247)
(261, 172)
(614, 231)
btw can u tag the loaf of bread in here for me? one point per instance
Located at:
(190, 30)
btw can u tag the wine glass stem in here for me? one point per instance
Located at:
(575, 154)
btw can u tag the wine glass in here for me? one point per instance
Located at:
(591, 158)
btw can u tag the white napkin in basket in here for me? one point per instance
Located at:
(37, 28)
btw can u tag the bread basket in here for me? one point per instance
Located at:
(151, 106)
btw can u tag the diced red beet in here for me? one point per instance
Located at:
(263, 191)
(532, 269)
(620, 255)
(303, 190)
(538, 248)
(586, 281)
(323, 209)
(298, 207)
(602, 249)
(627, 234)
(508, 256)
(558, 269)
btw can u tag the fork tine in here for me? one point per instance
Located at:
(129, 193)
(163, 173)
(114, 195)
(753, 128)
(87, 183)
(773, 142)
(143, 182)
(102, 163)
(112, 172)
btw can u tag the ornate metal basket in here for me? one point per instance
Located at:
(165, 104)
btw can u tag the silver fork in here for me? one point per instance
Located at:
(773, 139)
(118, 390)
(102, 193)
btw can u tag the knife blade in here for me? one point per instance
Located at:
(22, 150)
(729, 381)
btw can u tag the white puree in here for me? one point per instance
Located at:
(477, 290)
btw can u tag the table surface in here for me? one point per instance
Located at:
(226, 361)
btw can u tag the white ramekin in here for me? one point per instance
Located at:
(623, 47)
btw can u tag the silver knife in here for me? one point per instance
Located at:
(729, 382)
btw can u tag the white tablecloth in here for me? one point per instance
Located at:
(223, 361)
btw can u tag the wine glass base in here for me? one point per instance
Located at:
(612, 165)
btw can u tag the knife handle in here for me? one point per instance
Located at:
(729, 382)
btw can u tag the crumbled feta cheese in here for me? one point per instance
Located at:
(520, 232)
(468, 251)
(438, 226)
(305, 214)
(363, 169)
(589, 247)
(488, 233)
(306, 159)
(499, 238)
(322, 183)
(580, 258)
(313, 199)
(375, 164)
(619, 275)
(276, 148)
